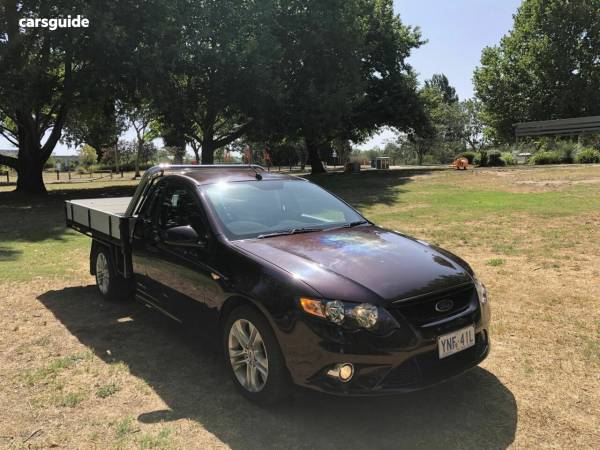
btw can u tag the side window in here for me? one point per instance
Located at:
(178, 209)
(149, 207)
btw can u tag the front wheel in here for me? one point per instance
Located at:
(253, 355)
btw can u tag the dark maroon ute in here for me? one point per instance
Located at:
(300, 287)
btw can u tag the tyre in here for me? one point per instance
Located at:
(111, 285)
(254, 358)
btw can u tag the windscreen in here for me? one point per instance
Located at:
(256, 208)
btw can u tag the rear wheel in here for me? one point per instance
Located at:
(254, 358)
(110, 284)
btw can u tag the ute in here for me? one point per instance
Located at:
(297, 285)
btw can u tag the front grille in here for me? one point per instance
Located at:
(427, 368)
(422, 310)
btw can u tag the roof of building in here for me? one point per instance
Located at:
(571, 126)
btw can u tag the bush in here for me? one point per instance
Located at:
(509, 159)
(567, 149)
(481, 159)
(494, 159)
(546, 157)
(469, 155)
(588, 156)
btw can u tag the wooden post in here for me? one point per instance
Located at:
(57, 175)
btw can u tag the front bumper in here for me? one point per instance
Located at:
(404, 361)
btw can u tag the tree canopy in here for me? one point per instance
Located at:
(546, 67)
(207, 72)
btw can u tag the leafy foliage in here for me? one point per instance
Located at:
(546, 67)
(87, 157)
(588, 156)
(509, 159)
(495, 159)
(546, 157)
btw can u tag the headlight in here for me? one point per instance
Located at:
(481, 290)
(350, 315)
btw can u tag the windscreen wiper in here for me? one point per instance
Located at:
(287, 232)
(349, 225)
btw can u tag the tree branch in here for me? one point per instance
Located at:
(62, 112)
(232, 136)
(9, 135)
(8, 161)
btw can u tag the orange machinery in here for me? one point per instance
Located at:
(461, 163)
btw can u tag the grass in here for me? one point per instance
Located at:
(162, 440)
(495, 262)
(106, 390)
(531, 234)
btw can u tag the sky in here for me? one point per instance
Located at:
(456, 31)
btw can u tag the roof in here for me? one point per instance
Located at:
(572, 126)
(211, 174)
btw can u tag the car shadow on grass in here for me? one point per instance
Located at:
(472, 411)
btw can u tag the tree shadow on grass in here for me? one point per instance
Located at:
(472, 411)
(371, 187)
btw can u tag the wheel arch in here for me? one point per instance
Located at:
(236, 301)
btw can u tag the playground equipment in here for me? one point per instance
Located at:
(460, 163)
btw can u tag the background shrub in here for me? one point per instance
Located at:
(509, 159)
(546, 157)
(588, 156)
(567, 151)
(481, 158)
(495, 159)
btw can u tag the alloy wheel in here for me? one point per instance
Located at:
(248, 355)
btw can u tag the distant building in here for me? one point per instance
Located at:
(64, 160)
(9, 152)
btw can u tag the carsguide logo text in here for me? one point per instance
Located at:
(55, 23)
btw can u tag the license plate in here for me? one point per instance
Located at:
(457, 341)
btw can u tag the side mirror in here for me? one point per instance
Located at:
(184, 236)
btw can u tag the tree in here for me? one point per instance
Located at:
(210, 71)
(87, 157)
(140, 118)
(94, 119)
(43, 72)
(545, 68)
(440, 82)
(474, 132)
(341, 73)
(444, 127)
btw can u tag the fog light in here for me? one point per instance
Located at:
(342, 372)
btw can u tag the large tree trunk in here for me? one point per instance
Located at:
(208, 151)
(30, 173)
(314, 159)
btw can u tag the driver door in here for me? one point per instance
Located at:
(180, 273)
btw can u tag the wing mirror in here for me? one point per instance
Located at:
(184, 236)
